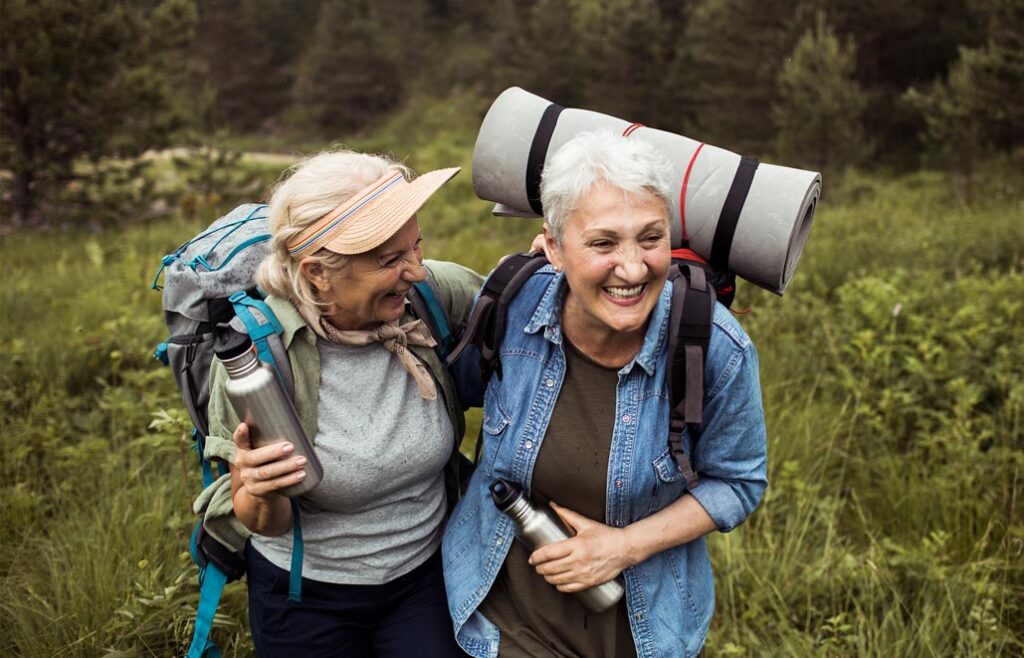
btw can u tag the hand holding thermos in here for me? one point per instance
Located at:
(539, 526)
(281, 449)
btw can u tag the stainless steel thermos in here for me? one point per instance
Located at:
(540, 526)
(261, 402)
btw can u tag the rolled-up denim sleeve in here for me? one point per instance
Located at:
(731, 454)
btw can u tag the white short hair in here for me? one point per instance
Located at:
(627, 163)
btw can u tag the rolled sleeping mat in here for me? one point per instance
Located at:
(734, 212)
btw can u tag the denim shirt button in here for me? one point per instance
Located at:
(549, 382)
(528, 445)
(625, 418)
(618, 484)
(499, 541)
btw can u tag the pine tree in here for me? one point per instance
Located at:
(349, 74)
(247, 53)
(818, 114)
(621, 57)
(83, 79)
(737, 49)
(980, 105)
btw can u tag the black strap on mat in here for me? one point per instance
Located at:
(538, 153)
(721, 244)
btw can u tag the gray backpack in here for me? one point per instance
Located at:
(209, 288)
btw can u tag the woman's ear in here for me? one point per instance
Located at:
(313, 270)
(551, 248)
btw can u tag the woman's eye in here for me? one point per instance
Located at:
(653, 238)
(601, 244)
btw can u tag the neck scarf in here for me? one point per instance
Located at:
(394, 337)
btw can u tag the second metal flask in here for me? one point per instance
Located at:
(262, 403)
(540, 526)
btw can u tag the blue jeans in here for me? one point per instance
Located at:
(405, 617)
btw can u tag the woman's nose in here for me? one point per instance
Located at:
(631, 267)
(413, 270)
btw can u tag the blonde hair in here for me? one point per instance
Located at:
(309, 190)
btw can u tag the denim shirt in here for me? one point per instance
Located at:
(670, 596)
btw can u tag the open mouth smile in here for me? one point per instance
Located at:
(623, 293)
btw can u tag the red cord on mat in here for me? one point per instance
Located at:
(631, 128)
(687, 254)
(682, 192)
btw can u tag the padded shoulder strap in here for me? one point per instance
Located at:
(693, 306)
(427, 307)
(266, 332)
(486, 325)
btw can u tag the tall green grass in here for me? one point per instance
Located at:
(893, 378)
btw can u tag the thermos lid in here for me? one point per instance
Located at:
(231, 344)
(504, 493)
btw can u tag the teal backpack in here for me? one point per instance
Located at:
(209, 284)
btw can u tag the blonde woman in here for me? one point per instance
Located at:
(381, 408)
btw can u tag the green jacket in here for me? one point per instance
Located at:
(455, 287)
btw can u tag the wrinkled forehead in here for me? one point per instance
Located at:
(607, 205)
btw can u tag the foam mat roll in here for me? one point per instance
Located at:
(751, 217)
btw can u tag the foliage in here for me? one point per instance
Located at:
(79, 81)
(817, 94)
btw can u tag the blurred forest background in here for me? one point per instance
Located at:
(893, 370)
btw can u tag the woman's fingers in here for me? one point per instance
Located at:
(265, 455)
(241, 436)
(556, 551)
(263, 487)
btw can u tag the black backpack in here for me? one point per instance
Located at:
(696, 286)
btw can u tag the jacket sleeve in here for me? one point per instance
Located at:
(222, 417)
(457, 288)
(730, 455)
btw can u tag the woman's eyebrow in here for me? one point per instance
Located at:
(393, 252)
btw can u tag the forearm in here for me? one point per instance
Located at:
(679, 523)
(268, 515)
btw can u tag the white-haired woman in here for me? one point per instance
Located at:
(380, 406)
(580, 416)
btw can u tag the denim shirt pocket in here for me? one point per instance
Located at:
(669, 483)
(494, 424)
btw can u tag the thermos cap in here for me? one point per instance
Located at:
(231, 344)
(504, 493)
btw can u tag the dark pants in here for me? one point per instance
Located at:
(405, 617)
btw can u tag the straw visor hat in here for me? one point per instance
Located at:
(372, 215)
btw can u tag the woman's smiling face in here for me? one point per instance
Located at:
(370, 288)
(616, 253)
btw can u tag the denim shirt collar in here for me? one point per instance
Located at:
(548, 317)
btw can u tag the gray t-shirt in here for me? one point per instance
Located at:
(379, 510)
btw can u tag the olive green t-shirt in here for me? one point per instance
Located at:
(534, 618)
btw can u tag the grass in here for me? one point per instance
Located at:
(892, 375)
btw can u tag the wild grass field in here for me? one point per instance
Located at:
(893, 377)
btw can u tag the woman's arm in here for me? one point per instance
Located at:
(731, 457)
(253, 472)
(598, 553)
(256, 476)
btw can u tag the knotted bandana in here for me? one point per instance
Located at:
(394, 337)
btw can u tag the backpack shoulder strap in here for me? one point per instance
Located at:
(427, 307)
(486, 325)
(259, 322)
(693, 305)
